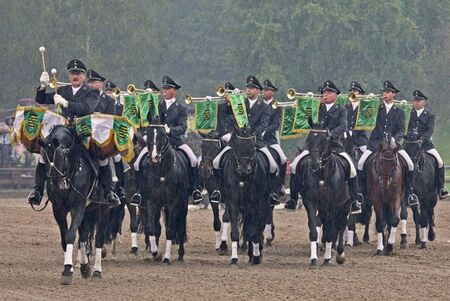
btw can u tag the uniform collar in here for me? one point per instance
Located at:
(75, 90)
(328, 106)
(420, 111)
(388, 106)
(169, 102)
(354, 105)
(252, 102)
(267, 102)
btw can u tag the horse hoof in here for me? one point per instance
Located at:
(423, 245)
(166, 261)
(431, 235)
(256, 260)
(417, 241)
(223, 248)
(366, 239)
(97, 275)
(234, 261)
(313, 264)
(85, 270)
(134, 251)
(389, 250)
(268, 242)
(340, 258)
(104, 252)
(157, 257)
(244, 247)
(378, 253)
(180, 259)
(326, 263)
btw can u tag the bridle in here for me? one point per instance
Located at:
(165, 148)
(251, 159)
(323, 159)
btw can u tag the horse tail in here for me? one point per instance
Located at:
(177, 224)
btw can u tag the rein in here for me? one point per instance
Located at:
(390, 174)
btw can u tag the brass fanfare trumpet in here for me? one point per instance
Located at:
(54, 83)
(291, 94)
(276, 104)
(117, 92)
(352, 96)
(189, 99)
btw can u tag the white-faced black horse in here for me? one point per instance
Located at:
(246, 191)
(168, 190)
(71, 180)
(210, 180)
(321, 181)
(424, 187)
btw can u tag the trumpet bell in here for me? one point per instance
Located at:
(116, 92)
(220, 91)
(131, 88)
(188, 99)
(351, 96)
(291, 93)
(54, 83)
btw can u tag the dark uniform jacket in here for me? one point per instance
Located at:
(82, 103)
(106, 104)
(392, 123)
(258, 119)
(176, 118)
(424, 126)
(335, 120)
(224, 122)
(270, 134)
(359, 138)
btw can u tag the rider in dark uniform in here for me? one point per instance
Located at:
(421, 125)
(359, 137)
(390, 120)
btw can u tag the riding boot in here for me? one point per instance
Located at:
(195, 184)
(440, 183)
(291, 204)
(36, 194)
(136, 199)
(356, 195)
(283, 179)
(108, 186)
(120, 176)
(273, 197)
(413, 200)
(362, 181)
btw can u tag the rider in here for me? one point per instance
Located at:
(334, 118)
(422, 123)
(390, 120)
(359, 137)
(105, 106)
(258, 118)
(174, 117)
(74, 100)
(271, 134)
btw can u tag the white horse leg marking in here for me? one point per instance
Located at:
(380, 241)
(327, 250)
(82, 253)
(168, 249)
(403, 226)
(225, 231)
(268, 231)
(313, 250)
(350, 236)
(153, 246)
(391, 239)
(234, 252)
(345, 234)
(68, 255)
(98, 260)
(256, 249)
(218, 240)
(423, 234)
(134, 240)
(319, 234)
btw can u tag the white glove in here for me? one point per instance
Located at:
(145, 138)
(208, 98)
(44, 79)
(350, 133)
(345, 135)
(167, 128)
(236, 91)
(226, 137)
(59, 100)
(393, 144)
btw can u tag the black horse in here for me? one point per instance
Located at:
(246, 191)
(72, 180)
(363, 218)
(210, 180)
(424, 187)
(321, 181)
(168, 179)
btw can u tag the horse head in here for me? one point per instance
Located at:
(318, 147)
(387, 159)
(413, 144)
(211, 147)
(157, 143)
(57, 148)
(244, 151)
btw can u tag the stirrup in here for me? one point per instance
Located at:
(355, 208)
(413, 200)
(34, 199)
(120, 192)
(113, 200)
(215, 197)
(136, 200)
(443, 194)
(290, 205)
(196, 197)
(273, 199)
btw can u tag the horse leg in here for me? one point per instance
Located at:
(169, 235)
(150, 228)
(234, 215)
(223, 248)
(403, 218)
(216, 223)
(102, 224)
(393, 222)
(431, 233)
(418, 214)
(180, 226)
(350, 230)
(367, 215)
(379, 224)
(313, 233)
(60, 216)
(268, 228)
(83, 233)
(133, 229)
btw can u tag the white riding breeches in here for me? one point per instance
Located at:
(216, 161)
(139, 158)
(272, 164)
(401, 152)
(103, 162)
(280, 152)
(41, 159)
(117, 158)
(297, 159)
(350, 162)
(436, 155)
(190, 153)
(362, 148)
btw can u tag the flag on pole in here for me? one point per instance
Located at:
(407, 109)
(131, 109)
(148, 107)
(367, 113)
(287, 123)
(206, 115)
(237, 102)
(307, 107)
(341, 100)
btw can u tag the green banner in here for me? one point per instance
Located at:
(32, 123)
(307, 107)
(122, 137)
(341, 100)
(367, 114)
(407, 109)
(131, 109)
(288, 123)
(206, 115)
(84, 129)
(237, 102)
(148, 107)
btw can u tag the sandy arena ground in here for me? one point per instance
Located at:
(31, 262)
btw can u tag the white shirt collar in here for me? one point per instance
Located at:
(169, 102)
(420, 111)
(268, 101)
(388, 106)
(75, 90)
(252, 102)
(329, 105)
(355, 104)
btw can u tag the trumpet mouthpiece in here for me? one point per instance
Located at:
(54, 71)
(42, 49)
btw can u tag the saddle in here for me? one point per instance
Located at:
(345, 165)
